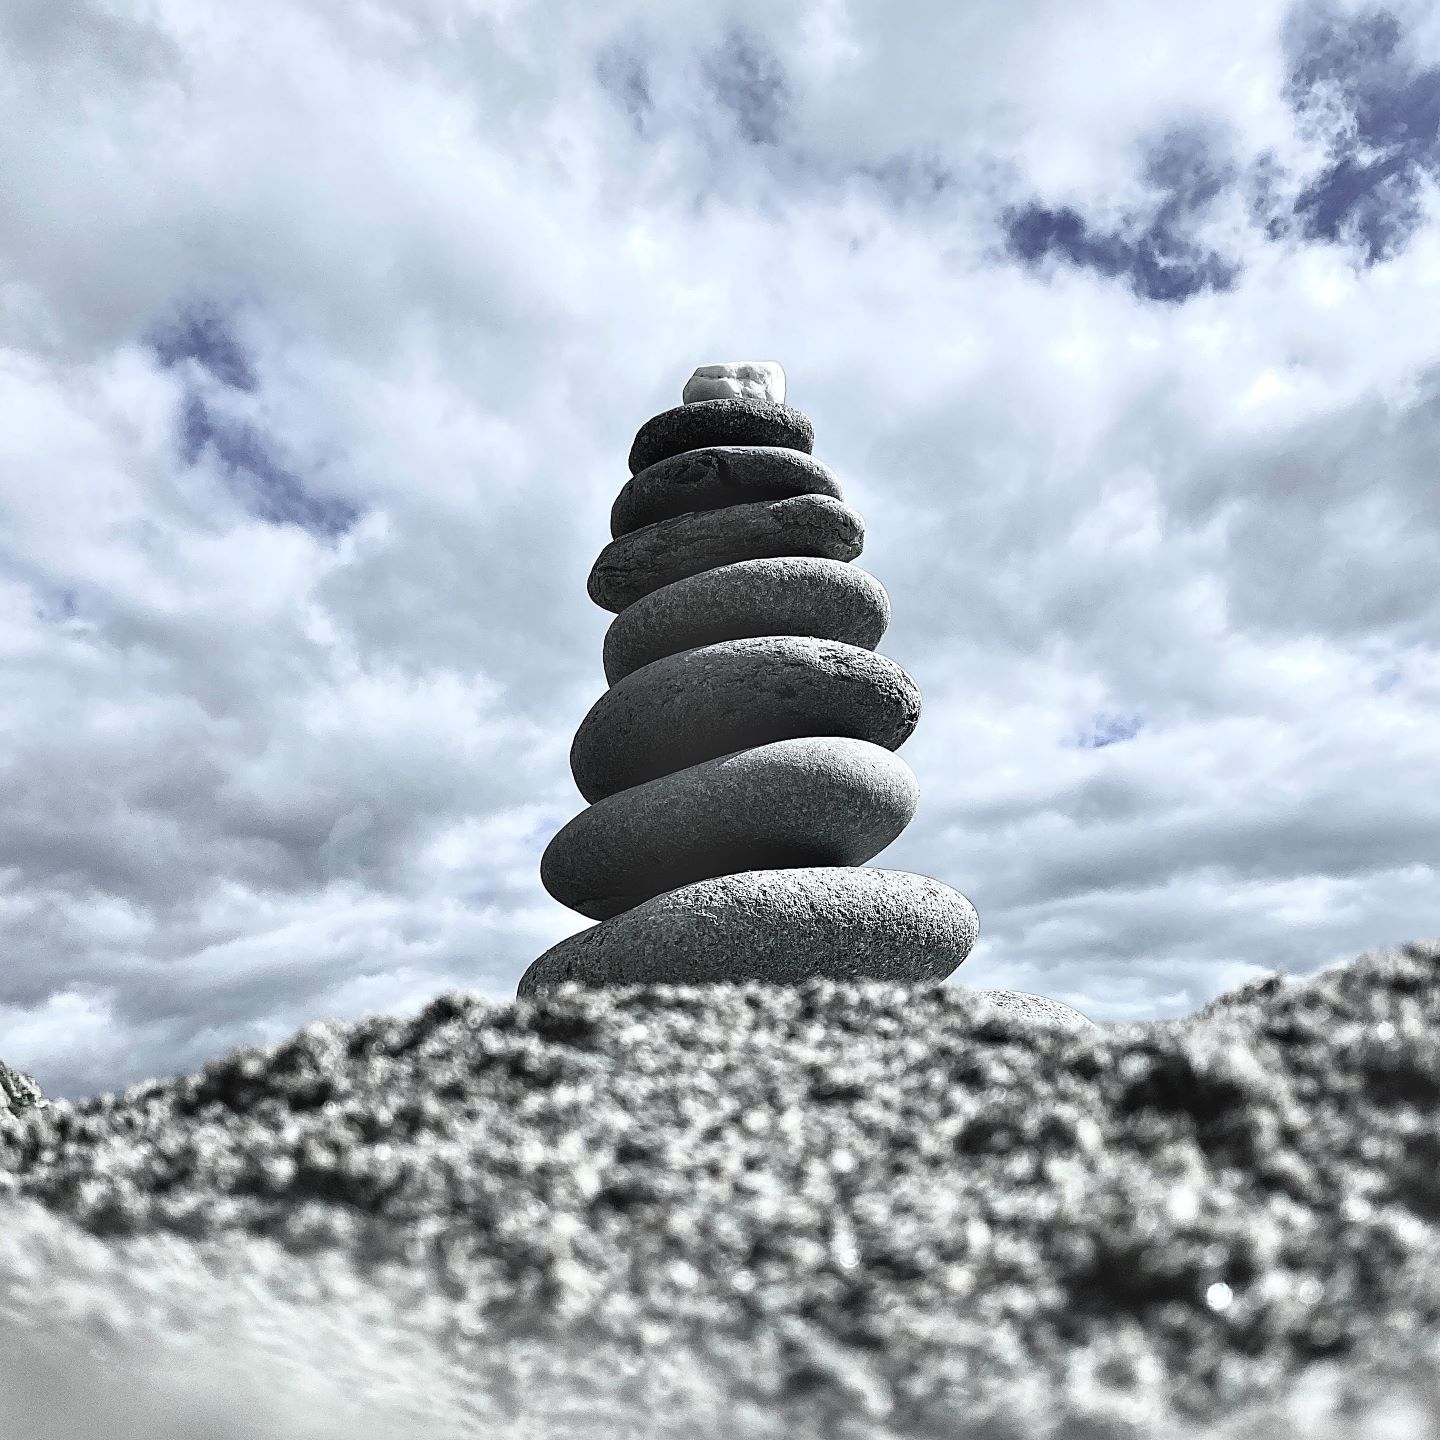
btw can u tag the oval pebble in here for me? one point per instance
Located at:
(714, 477)
(812, 801)
(789, 595)
(773, 926)
(660, 554)
(720, 422)
(717, 699)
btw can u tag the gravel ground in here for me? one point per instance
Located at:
(834, 1210)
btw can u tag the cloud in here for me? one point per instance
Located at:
(323, 341)
(1350, 77)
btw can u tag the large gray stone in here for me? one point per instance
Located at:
(660, 554)
(720, 422)
(1040, 1009)
(775, 926)
(811, 801)
(791, 595)
(712, 478)
(721, 698)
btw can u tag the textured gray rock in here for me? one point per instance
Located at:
(660, 554)
(715, 477)
(812, 801)
(820, 1211)
(778, 926)
(720, 422)
(18, 1091)
(720, 698)
(1040, 1008)
(788, 595)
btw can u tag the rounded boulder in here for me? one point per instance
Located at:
(812, 801)
(734, 695)
(645, 560)
(720, 422)
(717, 476)
(773, 926)
(791, 595)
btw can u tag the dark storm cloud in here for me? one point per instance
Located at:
(1349, 74)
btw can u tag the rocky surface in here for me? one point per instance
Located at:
(715, 477)
(18, 1091)
(720, 422)
(735, 694)
(810, 801)
(789, 595)
(856, 1212)
(834, 922)
(642, 561)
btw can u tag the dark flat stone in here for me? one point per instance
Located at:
(717, 699)
(791, 595)
(720, 422)
(812, 801)
(660, 554)
(717, 476)
(782, 927)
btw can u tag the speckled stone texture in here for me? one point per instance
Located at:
(720, 698)
(642, 561)
(715, 477)
(1040, 1008)
(775, 926)
(812, 801)
(748, 1212)
(790, 595)
(720, 422)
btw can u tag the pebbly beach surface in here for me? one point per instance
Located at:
(828, 1210)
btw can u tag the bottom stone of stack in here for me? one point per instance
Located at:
(776, 926)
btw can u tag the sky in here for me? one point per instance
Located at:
(325, 330)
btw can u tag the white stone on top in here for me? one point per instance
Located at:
(736, 380)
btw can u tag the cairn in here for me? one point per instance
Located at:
(740, 770)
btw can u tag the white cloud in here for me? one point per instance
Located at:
(259, 771)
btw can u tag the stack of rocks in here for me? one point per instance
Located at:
(740, 769)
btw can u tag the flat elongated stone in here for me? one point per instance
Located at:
(720, 698)
(732, 379)
(792, 595)
(720, 422)
(669, 550)
(1040, 1009)
(717, 476)
(812, 801)
(774, 926)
